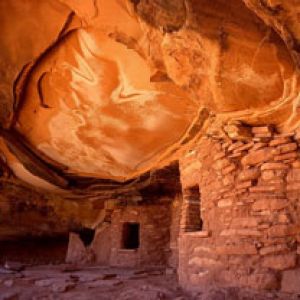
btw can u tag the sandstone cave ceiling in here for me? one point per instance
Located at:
(110, 90)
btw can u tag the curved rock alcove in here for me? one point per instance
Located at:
(160, 134)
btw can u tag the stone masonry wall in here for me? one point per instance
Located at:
(174, 231)
(249, 205)
(154, 249)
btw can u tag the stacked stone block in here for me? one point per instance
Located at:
(154, 248)
(190, 218)
(250, 207)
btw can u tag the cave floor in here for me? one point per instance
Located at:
(55, 282)
(91, 282)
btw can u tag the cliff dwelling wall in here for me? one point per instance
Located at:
(133, 236)
(35, 250)
(249, 212)
(154, 236)
(138, 133)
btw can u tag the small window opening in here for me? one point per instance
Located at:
(86, 235)
(192, 206)
(131, 236)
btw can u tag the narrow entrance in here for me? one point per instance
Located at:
(131, 236)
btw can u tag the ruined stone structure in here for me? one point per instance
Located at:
(160, 134)
(234, 223)
(248, 209)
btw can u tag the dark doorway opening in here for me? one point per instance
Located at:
(192, 209)
(35, 250)
(131, 236)
(86, 235)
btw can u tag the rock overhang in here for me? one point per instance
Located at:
(120, 84)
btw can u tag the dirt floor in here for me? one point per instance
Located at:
(55, 282)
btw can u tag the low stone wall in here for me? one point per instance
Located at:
(249, 206)
(157, 236)
(154, 223)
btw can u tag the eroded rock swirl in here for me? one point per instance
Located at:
(113, 89)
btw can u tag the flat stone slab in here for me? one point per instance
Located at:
(291, 281)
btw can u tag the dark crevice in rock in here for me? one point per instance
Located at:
(271, 10)
(86, 235)
(65, 27)
(135, 2)
(170, 16)
(40, 90)
(35, 249)
(31, 160)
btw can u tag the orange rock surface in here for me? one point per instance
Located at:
(105, 89)
(177, 120)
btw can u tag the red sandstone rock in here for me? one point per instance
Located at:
(295, 186)
(244, 184)
(282, 230)
(225, 203)
(273, 249)
(77, 252)
(267, 188)
(274, 166)
(287, 148)
(205, 262)
(284, 218)
(235, 146)
(237, 250)
(249, 232)
(293, 175)
(291, 281)
(260, 280)
(271, 175)
(221, 164)
(258, 146)
(244, 147)
(279, 141)
(241, 232)
(235, 155)
(238, 132)
(280, 261)
(258, 156)
(107, 91)
(228, 169)
(220, 155)
(245, 222)
(265, 281)
(269, 204)
(262, 130)
(286, 156)
(296, 164)
(262, 136)
(248, 174)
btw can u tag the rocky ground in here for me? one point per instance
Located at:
(68, 282)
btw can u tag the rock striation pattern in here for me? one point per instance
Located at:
(154, 133)
(95, 115)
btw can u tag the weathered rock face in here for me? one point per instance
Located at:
(97, 98)
(111, 88)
